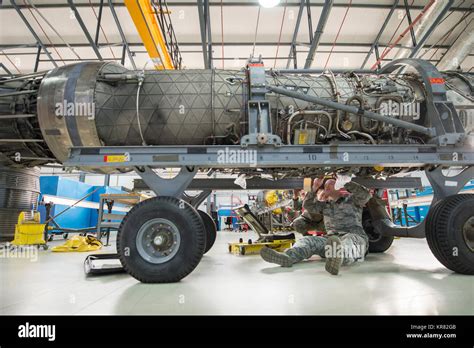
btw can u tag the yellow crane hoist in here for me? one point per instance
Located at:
(144, 16)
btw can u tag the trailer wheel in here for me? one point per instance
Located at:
(161, 240)
(380, 244)
(449, 231)
(211, 229)
(377, 242)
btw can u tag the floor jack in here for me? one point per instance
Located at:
(279, 242)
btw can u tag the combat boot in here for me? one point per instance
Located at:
(277, 257)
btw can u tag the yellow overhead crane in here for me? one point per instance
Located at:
(144, 15)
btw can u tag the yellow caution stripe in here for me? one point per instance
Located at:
(116, 158)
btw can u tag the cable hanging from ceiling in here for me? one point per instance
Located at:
(281, 30)
(402, 35)
(222, 33)
(447, 35)
(102, 30)
(338, 32)
(256, 31)
(396, 30)
(11, 62)
(46, 35)
(53, 29)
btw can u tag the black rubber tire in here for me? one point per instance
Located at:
(191, 231)
(428, 221)
(444, 232)
(377, 243)
(211, 229)
(381, 244)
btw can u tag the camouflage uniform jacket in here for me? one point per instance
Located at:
(344, 215)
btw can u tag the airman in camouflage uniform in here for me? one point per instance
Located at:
(345, 241)
(293, 211)
(311, 219)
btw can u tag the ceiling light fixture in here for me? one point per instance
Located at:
(268, 3)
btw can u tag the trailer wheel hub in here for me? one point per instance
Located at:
(158, 240)
(468, 231)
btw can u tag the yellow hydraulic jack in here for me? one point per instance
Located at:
(279, 242)
(249, 248)
(29, 231)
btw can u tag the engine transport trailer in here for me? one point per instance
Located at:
(101, 117)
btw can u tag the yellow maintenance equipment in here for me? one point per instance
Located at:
(252, 248)
(307, 184)
(144, 16)
(29, 230)
(79, 243)
(272, 197)
(278, 242)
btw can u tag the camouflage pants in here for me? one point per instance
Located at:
(354, 247)
(303, 224)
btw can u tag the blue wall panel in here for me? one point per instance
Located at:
(76, 217)
(420, 212)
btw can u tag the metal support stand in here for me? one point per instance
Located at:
(259, 110)
(110, 206)
(167, 187)
(48, 207)
(443, 187)
(445, 119)
(196, 201)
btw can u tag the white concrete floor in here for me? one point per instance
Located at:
(405, 280)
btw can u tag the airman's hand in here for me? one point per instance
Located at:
(317, 184)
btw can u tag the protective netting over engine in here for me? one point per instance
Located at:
(192, 107)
